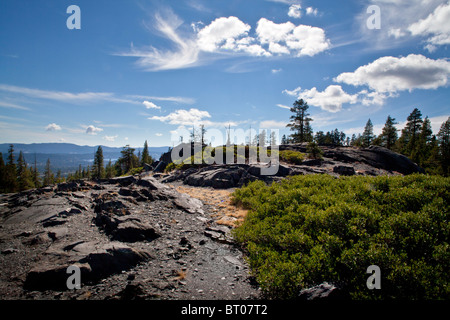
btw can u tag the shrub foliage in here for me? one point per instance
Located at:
(309, 229)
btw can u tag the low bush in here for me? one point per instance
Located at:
(290, 156)
(306, 230)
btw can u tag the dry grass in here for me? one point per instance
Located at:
(225, 212)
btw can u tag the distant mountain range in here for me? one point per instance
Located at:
(67, 156)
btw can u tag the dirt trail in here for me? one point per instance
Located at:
(219, 202)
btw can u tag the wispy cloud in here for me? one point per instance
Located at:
(12, 106)
(151, 59)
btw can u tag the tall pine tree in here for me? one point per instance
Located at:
(367, 136)
(98, 171)
(300, 122)
(410, 133)
(444, 147)
(389, 134)
(145, 157)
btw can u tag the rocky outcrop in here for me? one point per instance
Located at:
(337, 161)
(131, 238)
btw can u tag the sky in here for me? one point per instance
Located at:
(125, 71)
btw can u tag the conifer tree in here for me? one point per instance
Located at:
(300, 122)
(146, 158)
(410, 133)
(11, 175)
(2, 174)
(24, 181)
(98, 171)
(367, 136)
(389, 134)
(444, 147)
(48, 175)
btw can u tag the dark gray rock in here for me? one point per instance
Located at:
(96, 261)
(344, 170)
(133, 230)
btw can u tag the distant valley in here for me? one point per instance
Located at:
(67, 156)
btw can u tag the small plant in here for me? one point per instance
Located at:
(314, 151)
(290, 156)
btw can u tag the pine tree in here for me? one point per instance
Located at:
(389, 133)
(283, 139)
(98, 171)
(367, 136)
(109, 170)
(2, 174)
(35, 174)
(410, 133)
(300, 122)
(444, 147)
(127, 161)
(48, 175)
(422, 149)
(11, 176)
(146, 158)
(24, 181)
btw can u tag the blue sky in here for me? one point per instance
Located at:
(145, 70)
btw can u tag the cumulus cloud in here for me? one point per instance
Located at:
(228, 35)
(295, 11)
(93, 130)
(183, 117)
(286, 37)
(53, 127)
(151, 105)
(436, 26)
(312, 11)
(391, 74)
(331, 99)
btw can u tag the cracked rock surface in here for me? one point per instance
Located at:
(131, 238)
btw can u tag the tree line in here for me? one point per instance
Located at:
(416, 141)
(18, 175)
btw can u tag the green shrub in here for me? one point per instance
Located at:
(290, 156)
(309, 229)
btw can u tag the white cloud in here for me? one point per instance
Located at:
(93, 130)
(110, 138)
(276, 70)
(58, 95)
(53, 127)
(312, 11)
(391, 74)
(158, 134)
(185, 55)
(436, 25)
(331, 99)
(283, 106)
(286, 37)
(436, 122)
(295, 11)
(12, 106)
(151, 105)
(272, 124)
(184, 117)
(222, 33)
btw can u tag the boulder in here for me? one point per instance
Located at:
(96, 261)
(344, 170)
(132, 230)
(324, 291)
